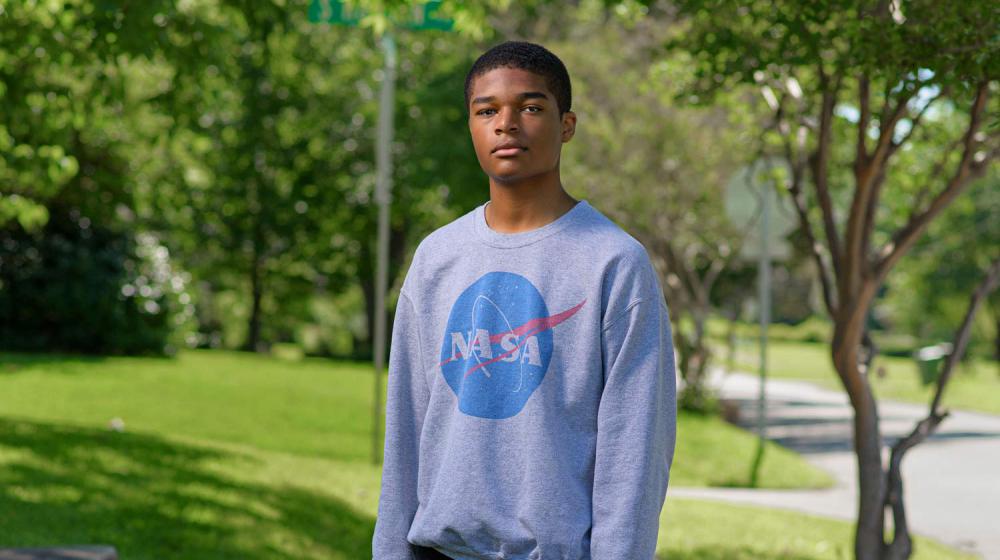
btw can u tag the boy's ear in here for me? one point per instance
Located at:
(568, 125)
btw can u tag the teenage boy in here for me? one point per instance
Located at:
(531, 408)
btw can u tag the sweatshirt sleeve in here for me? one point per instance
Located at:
(406, 404)
(636, 431)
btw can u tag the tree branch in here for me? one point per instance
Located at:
(798, 168)
(915, 121)
(887, 129)
(901, 544)
(861, 153)
(903, 238)
(961, 339)
(795, 191)
(879, 179)
(820, 168)
(869, 175)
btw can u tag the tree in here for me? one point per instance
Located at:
(899, 64)
(255, 182)
(657, 168)
(262, 180)
(68, 133)
(63, 90)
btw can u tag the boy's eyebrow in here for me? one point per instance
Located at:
(521, 97)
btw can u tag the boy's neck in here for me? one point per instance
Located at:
(519, 207)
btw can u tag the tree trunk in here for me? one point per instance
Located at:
(869, 533)
(849, 333)
(694, 357)
(996, 336)
(254, 343)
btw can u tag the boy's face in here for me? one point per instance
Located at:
(516, 128)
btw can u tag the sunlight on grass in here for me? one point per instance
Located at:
(229, 455)
(317, 408)
(154, 497)
(690, 530)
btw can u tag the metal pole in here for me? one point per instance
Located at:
(764, 287)
(383, 196)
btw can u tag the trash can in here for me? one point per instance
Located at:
(930, 360)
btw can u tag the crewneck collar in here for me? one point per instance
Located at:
(494, 238)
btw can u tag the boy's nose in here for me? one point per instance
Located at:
(507, 121)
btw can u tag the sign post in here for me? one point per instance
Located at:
(768, 244)
(334, 11)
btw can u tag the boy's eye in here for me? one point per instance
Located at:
(529, 108)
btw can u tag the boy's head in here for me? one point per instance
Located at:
(526, 56)
(518, 95)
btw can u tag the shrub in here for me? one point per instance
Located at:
(75, 286)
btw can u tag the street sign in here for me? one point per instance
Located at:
(744, 202)
(424, 18)
(334, 11)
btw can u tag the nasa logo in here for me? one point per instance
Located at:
(498, 344)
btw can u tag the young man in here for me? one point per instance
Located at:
(531, 409)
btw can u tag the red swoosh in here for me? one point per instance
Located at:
(529, 328)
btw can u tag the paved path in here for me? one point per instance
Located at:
(951, 481)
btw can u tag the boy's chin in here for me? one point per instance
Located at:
(508, 179)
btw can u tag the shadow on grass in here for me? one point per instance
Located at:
(154, 498)
(16, 362)
(12, 362)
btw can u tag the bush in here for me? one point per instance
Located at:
(813, 329)
(74, 286)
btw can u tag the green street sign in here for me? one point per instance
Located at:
(424, 18)
(334, 11)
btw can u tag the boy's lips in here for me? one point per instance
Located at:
(508, 149)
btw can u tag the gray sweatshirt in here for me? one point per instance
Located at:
(531, 408)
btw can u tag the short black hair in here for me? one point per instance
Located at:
(525, 56)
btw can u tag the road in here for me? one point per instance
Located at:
(951, 481)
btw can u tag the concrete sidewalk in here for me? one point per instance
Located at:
(951, 481)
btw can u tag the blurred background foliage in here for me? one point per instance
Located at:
(180, 174)
(200, 173)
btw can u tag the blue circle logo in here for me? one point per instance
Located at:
(498, 344)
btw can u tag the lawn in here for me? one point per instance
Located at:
(314, 408)
(227, 455)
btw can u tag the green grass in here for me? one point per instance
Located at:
(314, 408)
(711, 452)
(228, 455)
(701, 530)
(973, 386)
(157, 497)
